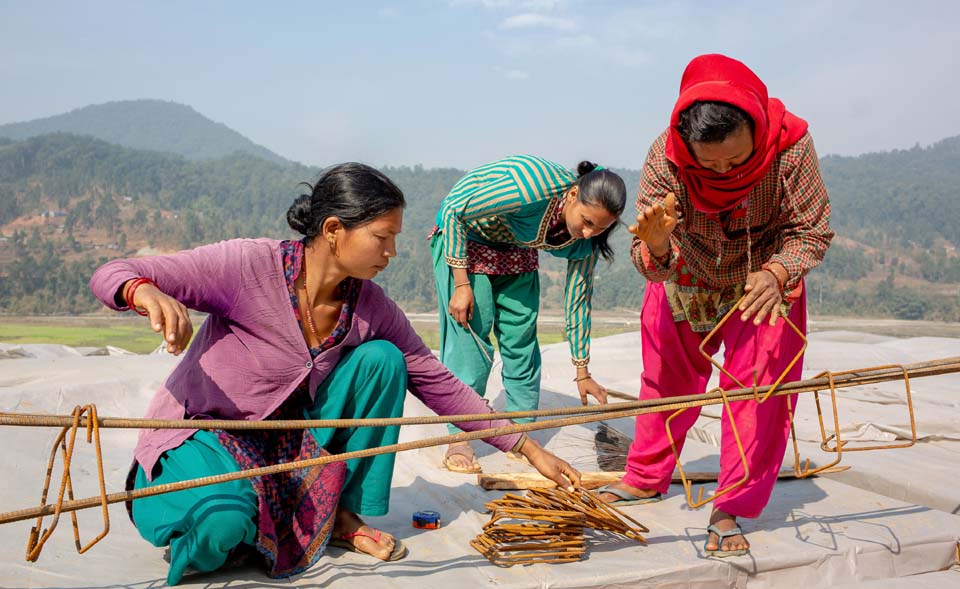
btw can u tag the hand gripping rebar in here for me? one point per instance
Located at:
(734, 379)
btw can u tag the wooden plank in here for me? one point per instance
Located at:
(591, 480)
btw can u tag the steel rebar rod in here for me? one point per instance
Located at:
(850, 379)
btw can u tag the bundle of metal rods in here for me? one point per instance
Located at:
(547, 526)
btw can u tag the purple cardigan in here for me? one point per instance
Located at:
(250, 353)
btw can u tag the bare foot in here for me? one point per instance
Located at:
(724, 521)
(638, 493)
(459, 457)
(350, 528)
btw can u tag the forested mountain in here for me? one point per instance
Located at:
(154, 125)
(906, 195)
(69, 202)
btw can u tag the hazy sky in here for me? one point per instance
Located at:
(462, 82)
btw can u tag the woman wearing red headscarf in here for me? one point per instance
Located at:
(731, 205)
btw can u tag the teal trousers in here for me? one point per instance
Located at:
(506, 306)
(204, 524)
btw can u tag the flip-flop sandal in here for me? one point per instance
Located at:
(625, 498)
(734, 531)
(343, 541)
(466, 452)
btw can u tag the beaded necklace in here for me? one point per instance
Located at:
(306, 296)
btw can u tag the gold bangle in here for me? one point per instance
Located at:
(579, 378)
(520, 442)
(456, 286)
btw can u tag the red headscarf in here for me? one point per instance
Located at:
(719, 78)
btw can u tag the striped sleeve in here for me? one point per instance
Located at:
(499, 188)
(577, 306)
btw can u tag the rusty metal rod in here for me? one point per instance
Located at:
(853, 378)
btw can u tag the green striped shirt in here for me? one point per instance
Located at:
(510, 201)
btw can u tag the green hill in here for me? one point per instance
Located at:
(69, 202)
(153, 125)
(912, 195)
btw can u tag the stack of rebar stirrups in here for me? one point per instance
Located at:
(547, 525)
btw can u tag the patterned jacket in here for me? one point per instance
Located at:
(788, 214)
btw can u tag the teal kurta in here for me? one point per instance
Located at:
(506, 305)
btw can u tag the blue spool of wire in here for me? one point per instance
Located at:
(426, 520)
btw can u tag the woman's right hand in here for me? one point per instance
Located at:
(167, 315)
(655, 224)
(461, 305)
(550, 466)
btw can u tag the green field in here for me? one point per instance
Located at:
(132, 333)
(135, 338)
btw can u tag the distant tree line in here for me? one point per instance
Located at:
(106, 201)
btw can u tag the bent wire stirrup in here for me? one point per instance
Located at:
(687, 485)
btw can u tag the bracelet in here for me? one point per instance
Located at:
(662, 260)
(126, 290)
(456, 286)
(520, 442)
(132, 289)
(579, 378)
(780, 283)
(665, 258)
(775, 277)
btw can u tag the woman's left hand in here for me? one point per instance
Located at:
(588, 386)
(762, 297)
(550, 466)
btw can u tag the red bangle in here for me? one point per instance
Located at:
(132, 289)
(665, 258)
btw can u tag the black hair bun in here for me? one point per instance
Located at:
(300, 215)
(585, 167)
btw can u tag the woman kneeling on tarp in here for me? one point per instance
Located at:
(295, 329)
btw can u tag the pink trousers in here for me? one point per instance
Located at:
(673, 365)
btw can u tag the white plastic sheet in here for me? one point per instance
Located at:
(814, 532)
